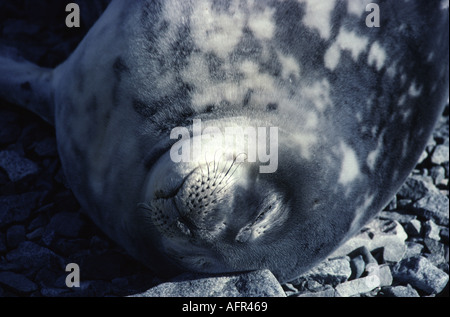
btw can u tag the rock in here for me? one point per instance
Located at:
(330, 292)
(55, 292)
(35, 234)
(437, 174)
(31, 255)
(66, 224)
(403, 203)
(17, 282)
(413, 228)
(16, 166)
(422, 157)
(412, 249)
(379, 233)
(258, 283)
(17, 208)
(440, 154)
(421, 274)
(400, 291)
(358, 286)
(434, 206)
(431, 230)
(15, 235)
(382, 272)
(437, 252)
(333, 271)
(415, 188)
(358, 266)
(366, 255)
(399, 216)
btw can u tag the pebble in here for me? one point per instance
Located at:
(431, 230)
(397, 215)
(17, 208)
(358, 286)
(29, 255)
(421, 274)
(15, 235)
(413, 228)
(415, 188)
(253, 284)
(358, 267)
(440, 154)
(438, 174)
(412, 249)
(16, 166)
(400, 291)
(434, 206)
(332, 272)
(17, 282)
(329, 292)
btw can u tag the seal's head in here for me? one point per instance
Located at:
(225, 207)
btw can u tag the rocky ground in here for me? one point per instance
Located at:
(403, 252)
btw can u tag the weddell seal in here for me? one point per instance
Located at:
(327, 106)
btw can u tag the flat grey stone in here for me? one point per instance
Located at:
(358, 266)
(413, 228)
(437, 174)
(16, 166)
(325, 293)
(433, 206)
(415, 188)
(400, 291)
(412, 249)
(421, 274)
(358, 286)
(399, 216)
(253, 284)
(333, 271)
(440, 154)
(432, 230)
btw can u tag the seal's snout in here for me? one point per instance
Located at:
(222, 201)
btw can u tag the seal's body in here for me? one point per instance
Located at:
(353, 106)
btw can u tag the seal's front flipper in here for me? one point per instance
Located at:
(27, 85)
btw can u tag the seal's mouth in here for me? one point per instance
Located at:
(216, 203)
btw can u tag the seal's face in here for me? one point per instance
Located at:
(220, 199)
